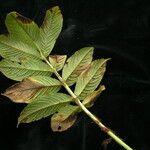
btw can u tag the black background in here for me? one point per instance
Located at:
(117, 29)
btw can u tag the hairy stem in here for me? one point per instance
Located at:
(93, 117)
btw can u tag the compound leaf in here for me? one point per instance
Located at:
(50, 30)
(89, 80)
(25, 49)
(43, 106)
(76, 64)
(30, 88)
(18, 72)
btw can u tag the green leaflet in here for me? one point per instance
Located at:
(16, 50)
(43, 106)
(18, 72)
(22, 28)
(89, 80)
(32, 87)
(65, 118)
(76, 64)
(50, 30)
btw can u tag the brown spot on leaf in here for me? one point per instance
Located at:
(23, 59)
(59, 124)
(57, 61)
(90, 99)
(23, 19)
(23, 91)
(84, 69)
(57, 58)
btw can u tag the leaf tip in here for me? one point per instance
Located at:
(54, 9)
(108, 59)
(18, 125)
(19, 17)
(102, 87)
(23, 19)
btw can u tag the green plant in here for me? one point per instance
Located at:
(26, 58)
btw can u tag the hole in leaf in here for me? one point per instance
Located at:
(59, 127)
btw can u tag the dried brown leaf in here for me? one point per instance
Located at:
(60, 124)
(23, 91)
(65, 118)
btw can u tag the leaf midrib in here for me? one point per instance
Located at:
(24, 68)
(40, 87)
(51, 24)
